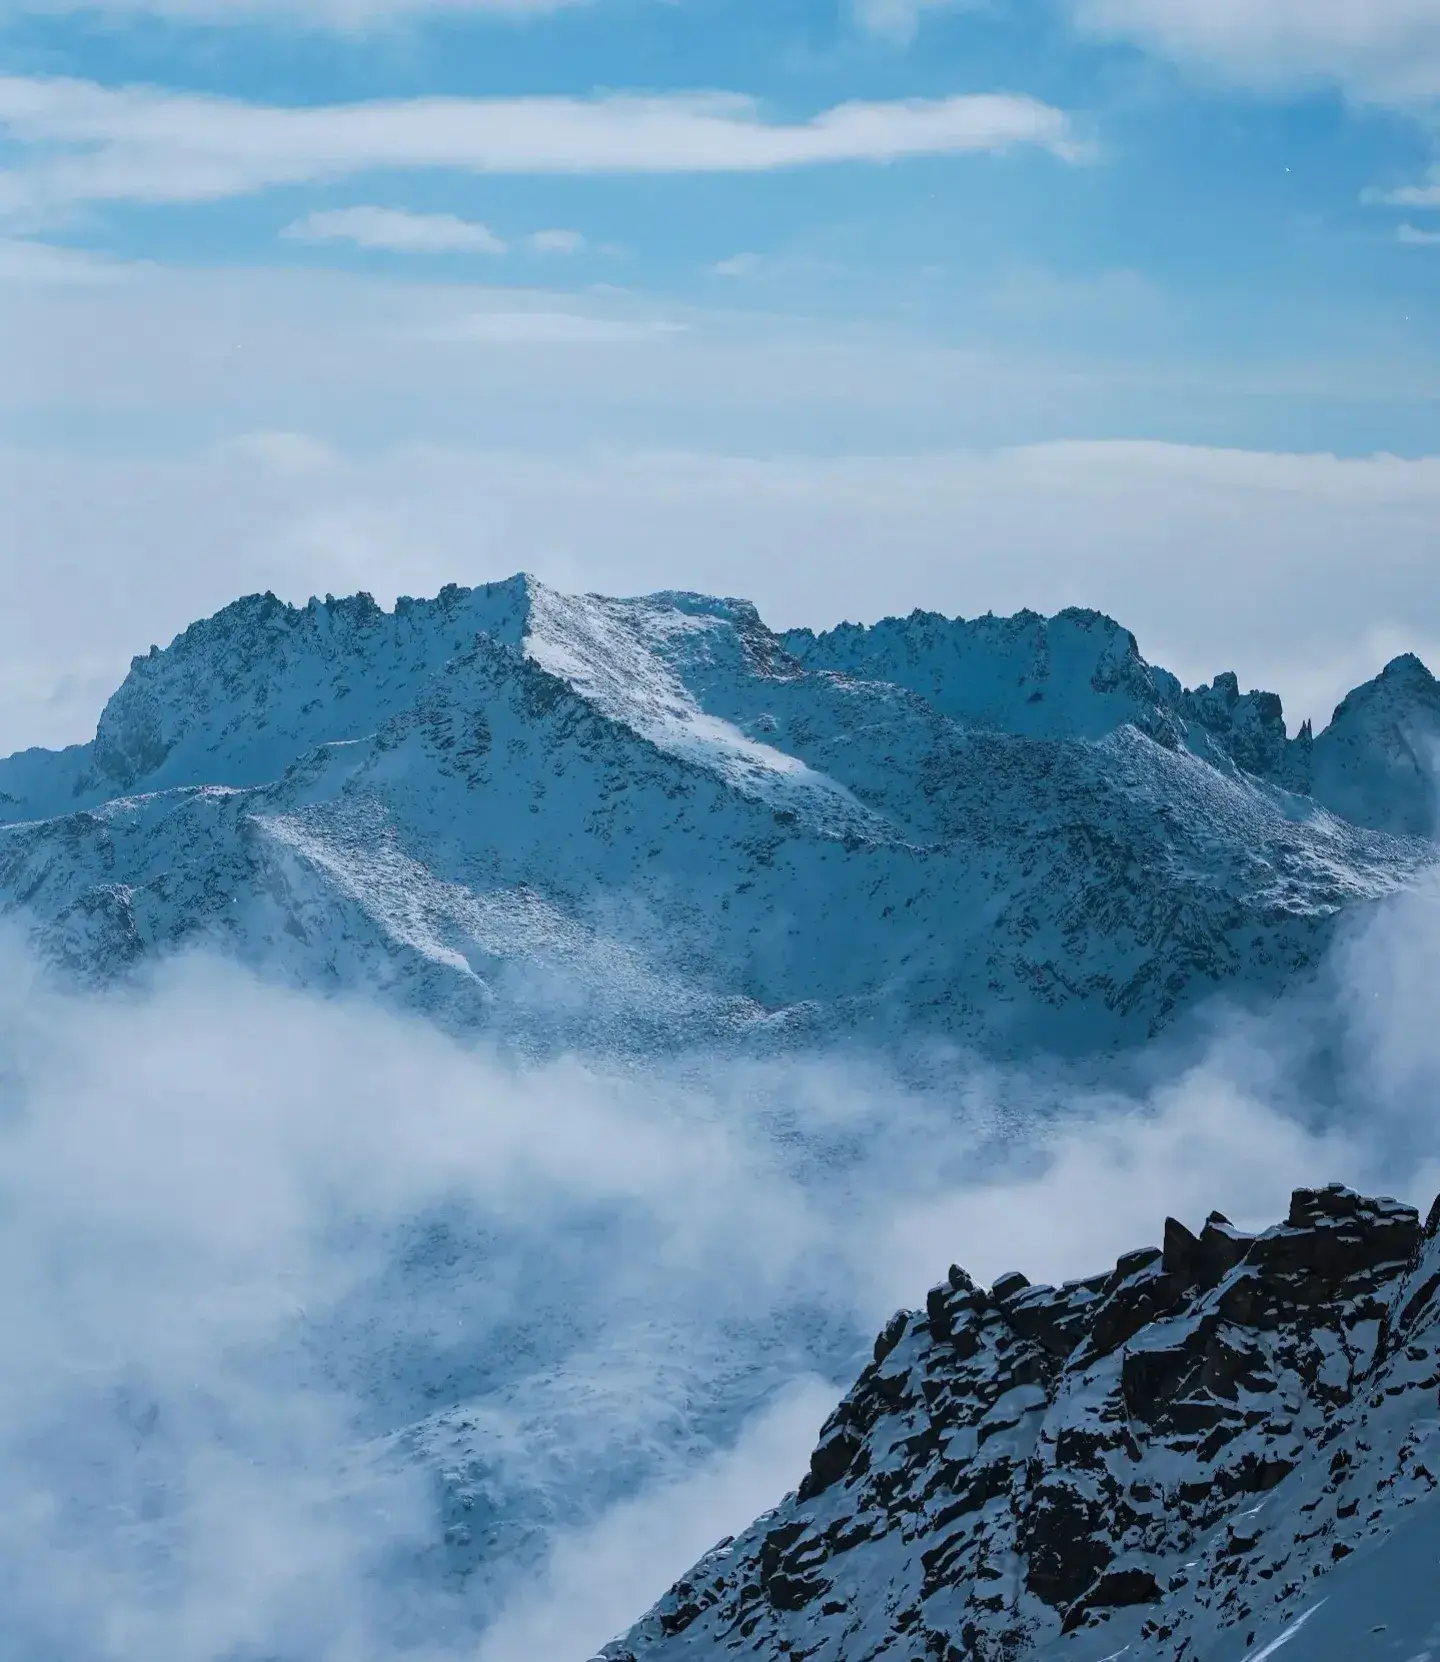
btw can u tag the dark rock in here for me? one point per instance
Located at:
(1113, 1590)
(829, 1463)
(891, 1334)
(1181, 1249)
(1008, 1284)
(1221, 1248)
(1131, 1263)
(1066, 1542)
(794, 1592)
(1081, 1434)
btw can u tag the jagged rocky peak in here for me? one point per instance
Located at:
(243, 690)
(1078, 674)
(1249, 729)
(1376, 762)
(241, 696)
(1165, 1456)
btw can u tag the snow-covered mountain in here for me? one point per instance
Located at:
(1218, 1444)
(643, 828)
(656, 822)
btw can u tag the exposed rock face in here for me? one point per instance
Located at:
(1158, 1456)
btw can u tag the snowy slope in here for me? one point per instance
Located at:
(630, 822)
(1170, 1459)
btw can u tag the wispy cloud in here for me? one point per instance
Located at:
(898, 20)
(556, 242)
(270, 1265)
(1407, 196)
(738, 265)
(23, 260)
(551, 328)
(397, 231)
(85, 143)
(351, 16)
(1378, 51)
(1415, 237)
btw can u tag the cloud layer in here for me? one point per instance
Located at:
(345, 15)
(268, 1266)
(86, 143)
(1331, 556)
(1378, 51)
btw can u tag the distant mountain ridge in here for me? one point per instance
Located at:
(658, 809)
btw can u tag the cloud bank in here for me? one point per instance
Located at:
(1330, 555)
(85, 143)
(330, 1339)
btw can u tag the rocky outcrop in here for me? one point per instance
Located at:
(1247, 729)
(1170, 1451)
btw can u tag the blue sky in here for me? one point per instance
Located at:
(1213, 200)
(311, 236)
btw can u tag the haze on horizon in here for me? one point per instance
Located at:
(847, 306)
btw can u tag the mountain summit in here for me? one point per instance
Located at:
(657, 821)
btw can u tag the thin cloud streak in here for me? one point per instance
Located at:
(88, 144)
(343, 16)
(898, 20)
(556, 242)
(397, 231)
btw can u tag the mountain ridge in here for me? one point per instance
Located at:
(380, 796)
(1164, 1459)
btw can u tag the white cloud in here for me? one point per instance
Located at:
(899, 20)
(738, 265)
(25, 261)
(344, 15)
(86, 143)
(397, 230)
(1110, 1173)
(598, 1579)
(1415, 237)
(547, 328)
(458, 434)
(1380, 51)
(1411, 196)
(556, 242)
(246, 1234)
